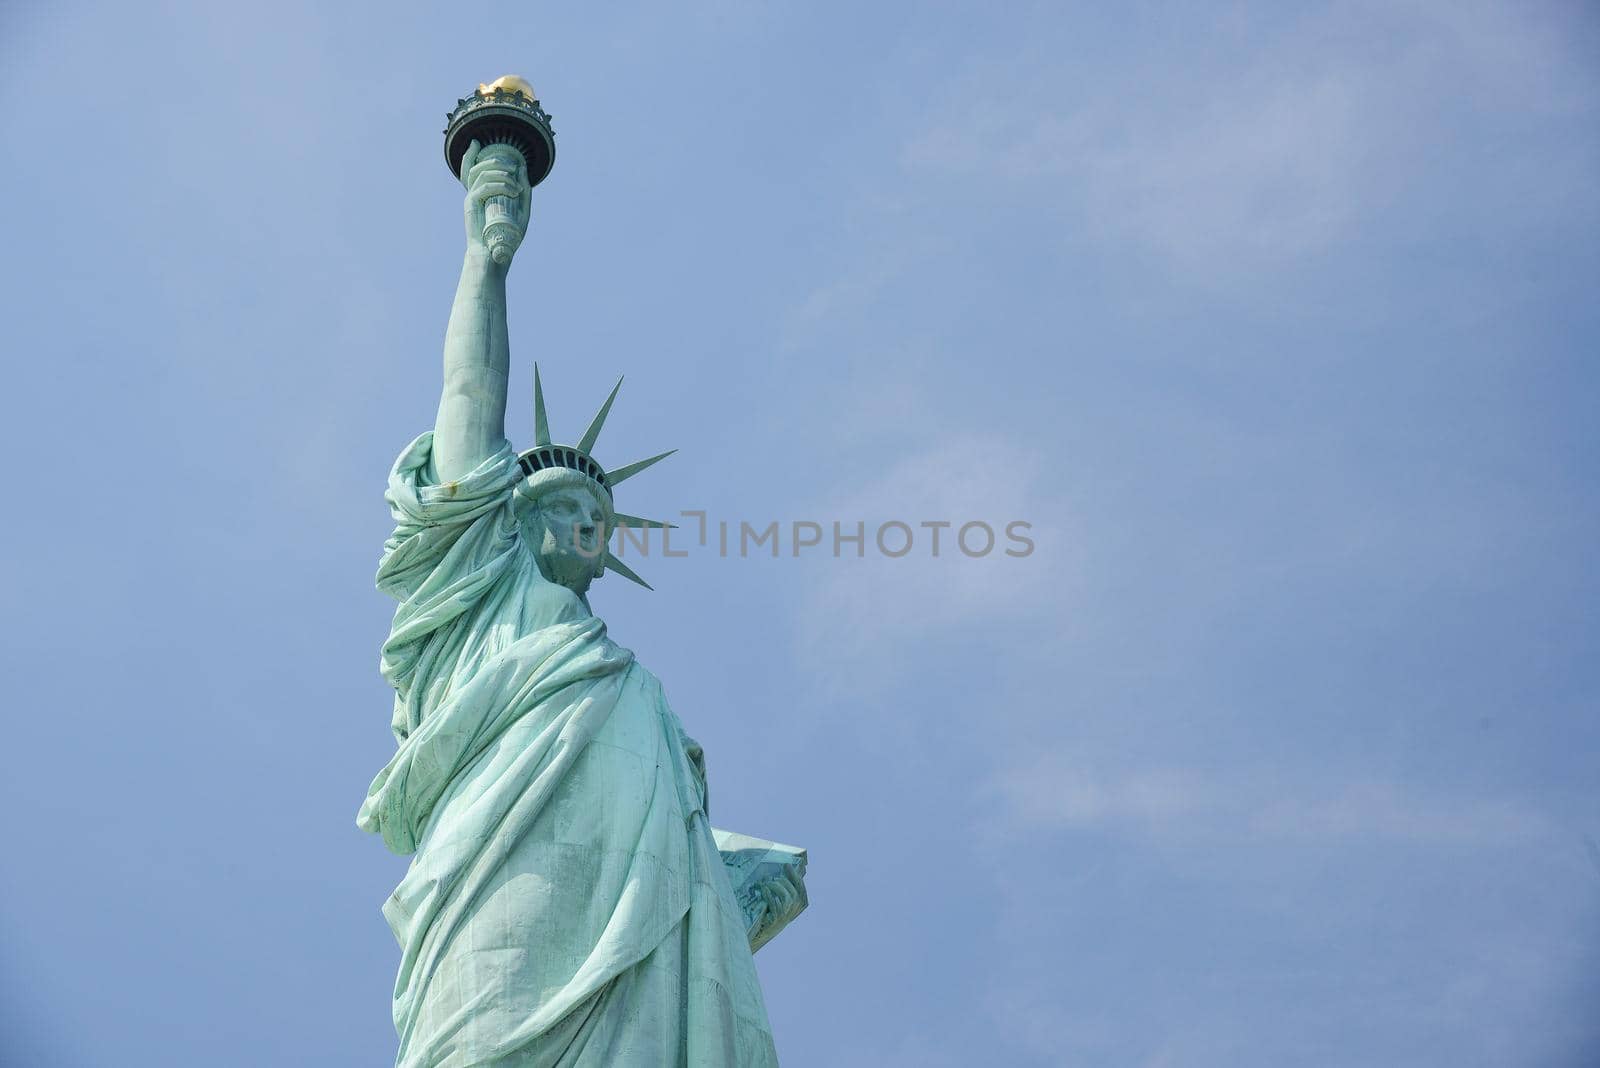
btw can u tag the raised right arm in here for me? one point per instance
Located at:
(471, 424)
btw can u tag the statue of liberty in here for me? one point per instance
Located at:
(568, 903)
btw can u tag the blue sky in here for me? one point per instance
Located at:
(1277, 323)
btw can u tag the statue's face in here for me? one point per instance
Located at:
(567, 526)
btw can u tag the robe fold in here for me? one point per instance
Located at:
(566, 904)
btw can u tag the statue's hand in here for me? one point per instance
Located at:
(783, 896)
(493, 171)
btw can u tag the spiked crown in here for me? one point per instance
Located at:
(548, 465)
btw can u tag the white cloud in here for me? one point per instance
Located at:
(1046, 792)
(1257, 149)
(859, 610)
(857, 288)
(1385, 810)
(1053, 791)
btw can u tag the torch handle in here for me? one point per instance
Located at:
(501, 234)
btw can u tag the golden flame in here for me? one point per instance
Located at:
(511, 83)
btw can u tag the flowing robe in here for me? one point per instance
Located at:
(566, 905)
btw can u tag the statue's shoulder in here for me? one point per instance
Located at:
(541, 603)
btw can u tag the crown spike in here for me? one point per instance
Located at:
(623, 519)
(586, 443)
(541, 425)
(613, 564)
(628, 471)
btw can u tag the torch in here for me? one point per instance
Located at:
(504, 112)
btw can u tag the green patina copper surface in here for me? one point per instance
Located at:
(568, 902)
